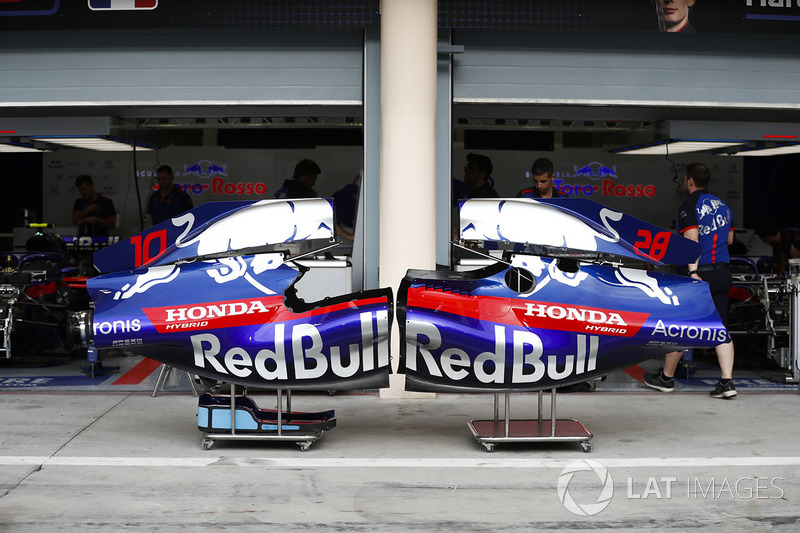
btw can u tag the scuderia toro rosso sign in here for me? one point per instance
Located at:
(532, 322)
(211, 295)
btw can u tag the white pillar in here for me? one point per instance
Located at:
(408, 162)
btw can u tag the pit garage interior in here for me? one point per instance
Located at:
(116, 445)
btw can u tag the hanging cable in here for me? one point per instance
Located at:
(674, 169)
(138, 194)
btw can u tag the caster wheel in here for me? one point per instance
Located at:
(587, 446)
(304, 446)
(489, 447)
(208, 444)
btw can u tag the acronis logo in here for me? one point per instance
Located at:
(204, 169)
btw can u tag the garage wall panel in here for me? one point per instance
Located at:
(174, 69)
(708, 71)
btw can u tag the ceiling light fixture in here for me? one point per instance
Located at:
(95, 142)
(677, 146)
(764, 151)
(9, 146)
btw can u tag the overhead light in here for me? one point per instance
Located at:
(763, 151)
(95, 142)
(677, 146)
(7, 147)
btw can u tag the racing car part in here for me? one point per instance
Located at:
(35, 299)
(557, 309)
(213, 292)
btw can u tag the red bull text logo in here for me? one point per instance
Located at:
(299, 352)
(528, 361)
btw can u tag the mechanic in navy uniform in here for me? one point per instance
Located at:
(673, 15)
(92, 212)
(302, 183)
(169, 200)
(478, 176)
(543, 173)
(708, 220)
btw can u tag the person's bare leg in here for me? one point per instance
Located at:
(725, 357)
(671, 361)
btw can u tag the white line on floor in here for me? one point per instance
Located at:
(432, 462)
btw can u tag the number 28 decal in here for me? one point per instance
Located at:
(654, 247)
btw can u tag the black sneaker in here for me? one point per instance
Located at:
(724, 391)
(655, 381)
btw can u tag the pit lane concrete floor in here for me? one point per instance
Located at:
(105, 461)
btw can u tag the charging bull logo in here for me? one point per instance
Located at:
(204, 169)
(510, 221)
(547, 271)
(595, 171)
(248, 228)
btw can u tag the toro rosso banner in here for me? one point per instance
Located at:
(237, 318)
(470, 331)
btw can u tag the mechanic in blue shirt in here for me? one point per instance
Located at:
(543, 173)
(302, 183)
(478, 176)
(92, 212)
(169, 200)
(708, 220)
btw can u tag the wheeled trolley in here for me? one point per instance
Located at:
(493, 432)
(216, 411)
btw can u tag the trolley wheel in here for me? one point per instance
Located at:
(304, 446)
(208, 444)
(587, 446)
(489, 446)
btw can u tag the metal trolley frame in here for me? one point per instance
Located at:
(304, 434)
(493, 432)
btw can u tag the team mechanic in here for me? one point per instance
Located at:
(542, 172)
(708, 220)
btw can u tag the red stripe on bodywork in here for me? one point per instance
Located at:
(531, 314)
(248, 312)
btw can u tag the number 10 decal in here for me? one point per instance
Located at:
(141, 254)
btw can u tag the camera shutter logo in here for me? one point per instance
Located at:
(588, 509)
